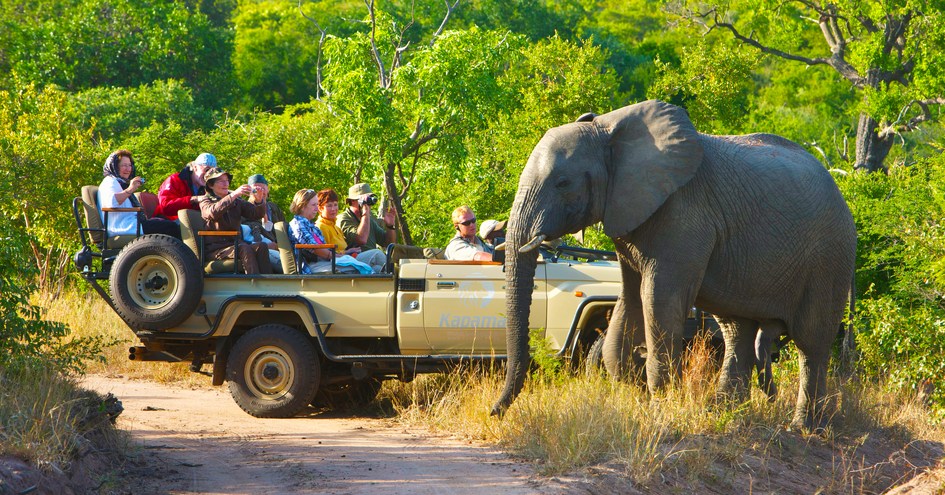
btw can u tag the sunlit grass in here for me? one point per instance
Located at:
(564, 422)
(46, 419)
(88, 314)
(588, 419)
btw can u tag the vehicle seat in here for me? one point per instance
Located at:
(148, 201)
(290, 266)
(191, 225)
(286, 251)
(94, 226)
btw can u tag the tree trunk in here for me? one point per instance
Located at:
(871, 150)
(396, 202)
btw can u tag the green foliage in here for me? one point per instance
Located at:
(82, 44)
(46, 158)
(116, 112)
(713, 84)
(547, 367)
(27, 339)
(900, 272)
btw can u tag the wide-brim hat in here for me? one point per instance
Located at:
(216, 173)
(489, 226)
(358, 190)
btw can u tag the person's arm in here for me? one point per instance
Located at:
(171, 199)
(301, 235)
(458, 249)
(122, 195)
(389, 221)
(364, 226)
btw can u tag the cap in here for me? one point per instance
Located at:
(217, 172)
(489, 226)
(257, 179)
(206, 159)
(358, 190)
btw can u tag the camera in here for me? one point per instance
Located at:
(369, 200)
(142, 181)
(255, 190)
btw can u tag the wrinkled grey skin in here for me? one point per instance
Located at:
(750, 228)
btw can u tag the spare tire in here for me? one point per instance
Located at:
(156, 282)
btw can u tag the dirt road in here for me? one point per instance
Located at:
(200, 441)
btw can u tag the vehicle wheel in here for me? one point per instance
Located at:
(349, 394)
(273, 371)
(594, 361)
(156, 282)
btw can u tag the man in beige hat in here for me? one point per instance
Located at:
(491, 230)
(362, 229)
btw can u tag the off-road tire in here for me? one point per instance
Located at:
(156, 282)
(273, 371)
(349, 394)
(594, 360)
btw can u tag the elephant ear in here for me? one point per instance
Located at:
(654, 150)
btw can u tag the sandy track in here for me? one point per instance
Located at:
(200, 441)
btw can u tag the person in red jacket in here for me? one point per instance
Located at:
(181, 191)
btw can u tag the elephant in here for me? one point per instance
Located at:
(751, 228)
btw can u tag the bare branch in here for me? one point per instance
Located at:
(925, 115)
(382, 73)
(820, 150)
(449, 10)
(318, 53)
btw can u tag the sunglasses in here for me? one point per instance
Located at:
(469, 222)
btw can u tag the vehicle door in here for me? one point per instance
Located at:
(464, 306)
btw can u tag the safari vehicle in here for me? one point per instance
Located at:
(285, 341)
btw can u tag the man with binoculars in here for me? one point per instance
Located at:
(362, 229)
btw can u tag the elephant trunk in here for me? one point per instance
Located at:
(519, 280)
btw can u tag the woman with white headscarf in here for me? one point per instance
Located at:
(117, 190)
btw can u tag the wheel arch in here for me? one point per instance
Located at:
(582, 333)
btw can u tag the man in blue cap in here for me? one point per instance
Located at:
(181, 191)
(261, 229)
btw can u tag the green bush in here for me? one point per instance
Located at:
(27, 339)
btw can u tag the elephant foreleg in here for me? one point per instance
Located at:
(739, 360)
(625, 332)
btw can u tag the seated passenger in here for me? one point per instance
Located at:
(223, 209)
(492, 230)
(182, 191)
(465, 245)
(360, 227)
(261, 230)
(303, 231)
(117, 190)
(327, 216)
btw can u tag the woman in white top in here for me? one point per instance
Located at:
(117, 190)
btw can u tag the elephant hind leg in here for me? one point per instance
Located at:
(739, 360)
(768, 334)
(810, 411)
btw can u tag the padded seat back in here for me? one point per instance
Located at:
(286, 250)
(190, 224)
(148, 201)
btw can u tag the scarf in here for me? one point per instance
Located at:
(111, 169)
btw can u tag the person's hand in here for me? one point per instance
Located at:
(353, 251)
(261, 193)
(243, 190)
(390, 218)
(135, 184)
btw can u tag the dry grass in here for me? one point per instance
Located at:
(566, 423)
(87, 314)
(591, 420)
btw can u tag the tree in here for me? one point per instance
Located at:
(891, 53)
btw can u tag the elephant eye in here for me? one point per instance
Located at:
(563, 183)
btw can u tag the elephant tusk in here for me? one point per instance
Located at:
(500, 247)
(532, 244)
